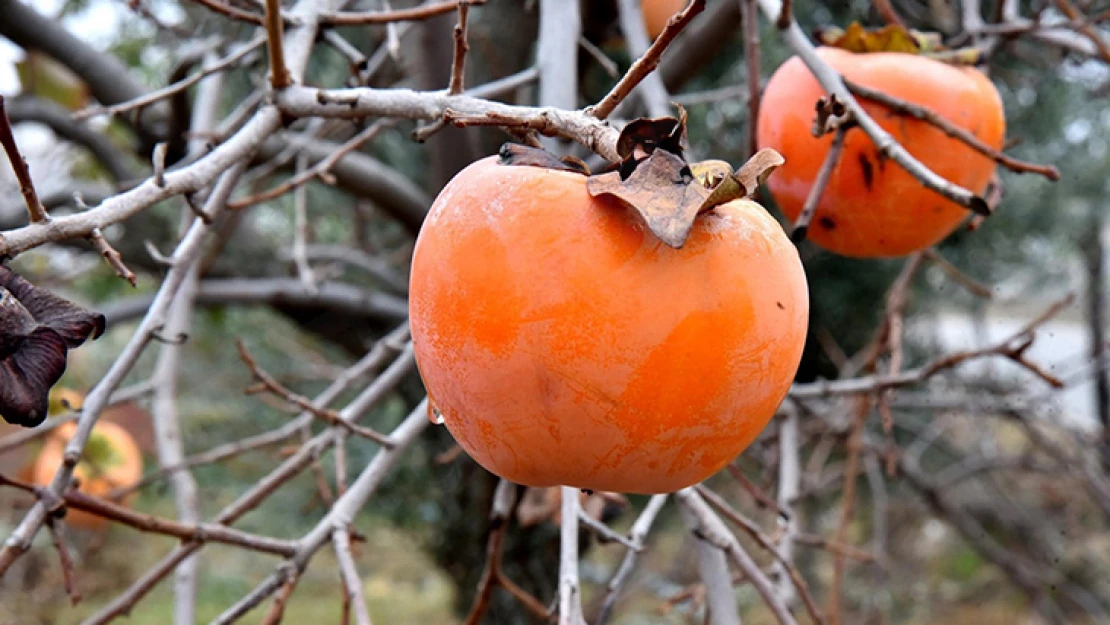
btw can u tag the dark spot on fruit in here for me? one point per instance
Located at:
(868, 172)
(826, 222)
(779, 304)
(881, 158)
(937, 209)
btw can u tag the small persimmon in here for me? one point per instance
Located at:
(563, 343)
(872, 207)
(658, 12)
(111, 460)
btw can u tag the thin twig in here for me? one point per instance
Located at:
(36, 212)
(422, 12)
(926, 114)
(749, 23)
(177, 87)
(762, 499)
(786, 14)
(320, 170)
(885, 8)
(279, 73)
(801, 225)
(329, 416)
(640, 528)
(352, 583)
(712, 529)
(648, 62)
(277, 610)
(287, 470)
(651, 91)
(609, 65)
(972, 285)
(458, 63)
(504, 499)
(766, 543)
(57, 528)
(604, 532)
(1085, 27)
(111, 256)
(227, 10)
(201, 532)
(1012, 347)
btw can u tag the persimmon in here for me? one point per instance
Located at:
(111, 460)
(872, 207)
(562, 343)
(658, 12)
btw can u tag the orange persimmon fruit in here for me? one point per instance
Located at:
(111, 460)
(658, 12)
(872, 207)
(563, 344)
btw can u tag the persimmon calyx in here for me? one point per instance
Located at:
(667, 192)
(654, 177)
(895, 38)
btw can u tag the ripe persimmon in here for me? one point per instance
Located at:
(111, 460)
(563, 344)
(657, 12)
(872, 207)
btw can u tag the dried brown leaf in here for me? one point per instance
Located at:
(758, 168)
(662, 189)
(37, 330)
(644, 135)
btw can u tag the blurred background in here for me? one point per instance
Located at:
(976, 429)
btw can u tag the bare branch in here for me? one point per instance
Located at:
(341, 539)
(640, 528)
(801, 225)
(648, 61)
(652, 89)
(422, 12)
(458, 66)
(279, 74)
(570, 597)
(710, 528)
(928, 115)
(341, 514)
(160, 94)
(329, 416)
(35, 210)
(749, 19)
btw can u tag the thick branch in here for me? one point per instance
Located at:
(593, 133)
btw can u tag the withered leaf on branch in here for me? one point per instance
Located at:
(37, 330)
(667, 133)
(895, 38)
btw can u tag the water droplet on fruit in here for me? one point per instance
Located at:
(434, 415)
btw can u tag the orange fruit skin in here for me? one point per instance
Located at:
(565, 345)
(126, 472)
(657, 12)
(872, 207)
